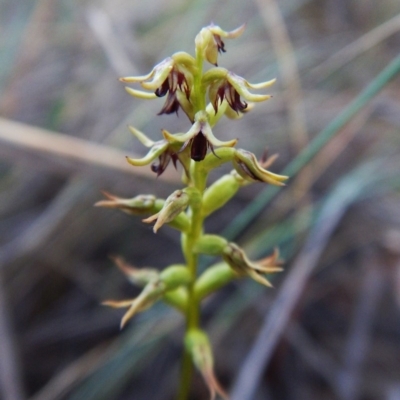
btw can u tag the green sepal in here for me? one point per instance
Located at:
(212, 245)
(219, 193)
(213, 278)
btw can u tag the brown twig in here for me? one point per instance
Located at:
(19, 140)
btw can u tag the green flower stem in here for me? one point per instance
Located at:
(188, 241)
(199, 89)
(181, 76)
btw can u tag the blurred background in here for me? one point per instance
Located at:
(331, 326)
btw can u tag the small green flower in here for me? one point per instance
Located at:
(209, 43)
(199, 138)
(151, 293)
(176, 202)
(138, 205)
(155, 285)
(172, 76)
(247, 166)
(164, 150)
(225, 85)
(198, 345)
(238, 261)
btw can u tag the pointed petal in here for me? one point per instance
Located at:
(240, 86)
(133, 79)
(154, 152)
(140, 94)
(170, 137)
(162, 70)
(259, 278)
(150, 219)
(182, 138)
(207, 132)
(111, 202)
(134, 309)
(118, 304)
(141, 137)
(247, 166)
(261, 85)
(216, 30)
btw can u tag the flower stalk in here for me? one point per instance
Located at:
(205, 97)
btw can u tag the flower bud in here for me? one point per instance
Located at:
(212, 245)
(213, 278)
(141, 204)
(237, 259)
(219, 193)
(247, 166)
(173, 206)
(199, 138)
(151, 293)
(175, 276)
(198, 345)
(167, 285)
(209, 43)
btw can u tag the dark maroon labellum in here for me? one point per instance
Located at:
(163, 89)
(199, 147)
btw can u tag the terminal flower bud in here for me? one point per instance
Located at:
(225, 85)
(209, 43)
(141, 204)
(172, 77)
(199, 138)
(198, 345)
(247, 166)
(237, 259)
(173, 206)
